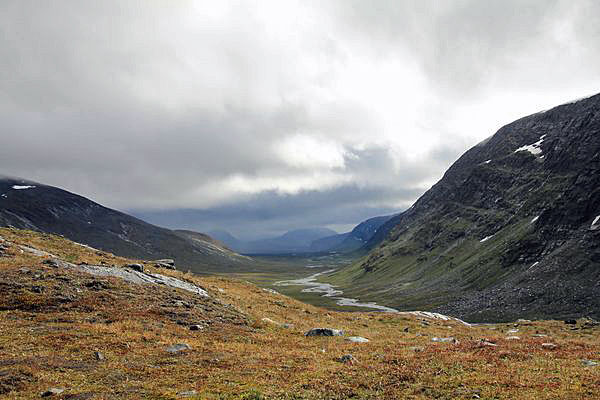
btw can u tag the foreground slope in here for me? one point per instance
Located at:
(31, 205)
(512, 229)
(102, 337)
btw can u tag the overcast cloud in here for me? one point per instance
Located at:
(258, 117)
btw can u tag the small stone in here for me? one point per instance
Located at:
(166, 261)
(37, 289)
(287, 326)
(179, 347)
(99, 356)
(357, 339)
(52, 392)
(196, 327)
(539, 335)
(485, 343)
(513, 331)
(417, 349)
(523, 321)
(589, 363)
(189, 393)
(163, 265)
(513, 338)
(444, 340)
(51, 262)
(270, 321)
(347, 359)
(324, 332)
(136, 267)
(549, 346)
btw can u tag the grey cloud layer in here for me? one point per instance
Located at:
(161, 107)
(465, 45)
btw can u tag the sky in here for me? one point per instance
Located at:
(262, 116)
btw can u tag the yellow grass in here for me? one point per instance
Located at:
(48, 337)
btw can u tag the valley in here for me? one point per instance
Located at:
(299, 200)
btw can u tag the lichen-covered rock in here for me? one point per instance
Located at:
(357, 339)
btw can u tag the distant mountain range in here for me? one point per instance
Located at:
(31, 205)
(311, 240)
(512, 229)
(294, 241)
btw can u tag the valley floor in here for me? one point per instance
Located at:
(100, 337)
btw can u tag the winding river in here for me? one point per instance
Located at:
(328, 290)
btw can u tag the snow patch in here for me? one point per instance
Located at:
(19, 187)
(432, 315)
(533, 148)
(595, 225)
(487, 162)
(534, 219)
(485, 239)
(534, 264)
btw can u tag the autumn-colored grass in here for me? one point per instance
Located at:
(53, 320)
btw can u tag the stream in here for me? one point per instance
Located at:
(328, 290)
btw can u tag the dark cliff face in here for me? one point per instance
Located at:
(506, 232)
(30, 205)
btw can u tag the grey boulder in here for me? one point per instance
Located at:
(178, 348)
(324, 332)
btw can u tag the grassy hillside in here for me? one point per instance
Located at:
(100, 337)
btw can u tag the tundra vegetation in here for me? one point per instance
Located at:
(69, 334)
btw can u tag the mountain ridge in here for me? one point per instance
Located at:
(508, 227)
(30, 205)
(293, 241)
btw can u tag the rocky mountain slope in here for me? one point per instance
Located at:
(350, 241)
(512, 228)
(76, 323)
(31, 205)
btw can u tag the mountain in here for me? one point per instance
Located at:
(512, 228)
(329, 243)
(227, 238)
(43, 208)
(350, 241)
(295, 241)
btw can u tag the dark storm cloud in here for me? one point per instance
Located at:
(267, 116)
(270, 213)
